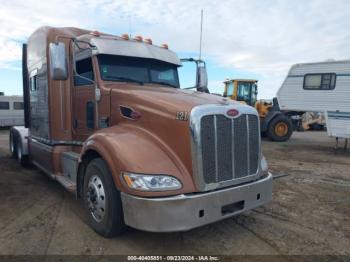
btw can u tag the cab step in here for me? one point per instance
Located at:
(69, 161)
(67, 183)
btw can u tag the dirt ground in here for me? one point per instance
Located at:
(309, 214)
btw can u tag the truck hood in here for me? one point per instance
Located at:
(166, 100)
(158, 107)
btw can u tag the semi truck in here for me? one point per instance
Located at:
(105, 117)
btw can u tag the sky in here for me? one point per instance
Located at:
(259, 39)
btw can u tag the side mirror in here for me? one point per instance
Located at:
(202, 79)
(58, 61)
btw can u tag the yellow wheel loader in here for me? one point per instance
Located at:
(275, 124)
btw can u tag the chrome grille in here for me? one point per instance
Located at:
(229, 147)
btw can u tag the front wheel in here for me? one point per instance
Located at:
(102, 200)
(280, 128)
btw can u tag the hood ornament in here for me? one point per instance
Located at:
(224, 101)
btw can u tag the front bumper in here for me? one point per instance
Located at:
(184, 212)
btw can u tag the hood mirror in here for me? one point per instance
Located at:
(202, 79)
(201, 75)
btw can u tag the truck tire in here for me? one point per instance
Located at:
(280, 128)
(23, 160)
(13, 146)
(102, 200)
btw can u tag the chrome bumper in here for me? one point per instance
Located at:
(184, 212)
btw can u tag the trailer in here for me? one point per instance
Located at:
(320, 87)
(106, 118)
(11, 111)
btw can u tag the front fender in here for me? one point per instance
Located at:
(132, 149)
(22, 134)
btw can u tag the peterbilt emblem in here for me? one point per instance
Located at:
(232, 112)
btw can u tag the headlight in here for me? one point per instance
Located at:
(151, 182)
(264, 165)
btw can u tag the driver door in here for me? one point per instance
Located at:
(84, 100)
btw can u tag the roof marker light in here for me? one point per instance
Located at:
(165, 46)
(125, 36)
(148, 41)
(138, 38)
(95, 33)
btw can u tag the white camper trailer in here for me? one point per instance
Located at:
(320, 87)
(11, 111)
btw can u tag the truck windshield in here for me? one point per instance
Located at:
(140, 70)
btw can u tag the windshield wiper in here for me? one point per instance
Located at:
(165, 83)
(123, 79)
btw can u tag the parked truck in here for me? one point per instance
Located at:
(105, 117)
(275, 124)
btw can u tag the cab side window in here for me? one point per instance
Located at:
(85, 71)
(33, 83)
(4, 105)
(229, 89)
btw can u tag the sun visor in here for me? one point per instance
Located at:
(133, 49)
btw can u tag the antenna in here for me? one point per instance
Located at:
(200, 37)
(129, 17)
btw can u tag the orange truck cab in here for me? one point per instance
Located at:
(106, 118)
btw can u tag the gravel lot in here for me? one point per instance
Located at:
(309, 214)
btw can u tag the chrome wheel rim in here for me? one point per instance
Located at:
(95, 197)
